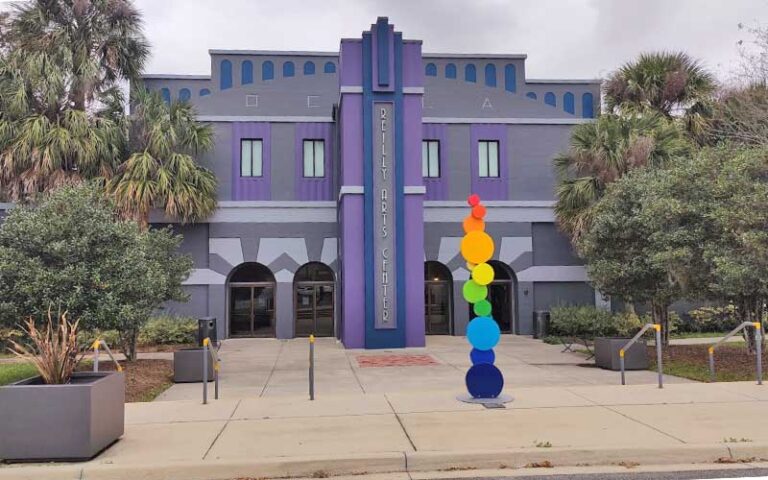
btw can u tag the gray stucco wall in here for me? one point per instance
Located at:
(551, 247)
(552, 294)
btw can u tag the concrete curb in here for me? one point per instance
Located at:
(389, 462)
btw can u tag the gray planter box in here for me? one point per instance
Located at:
(607, 354)
(188, 366)
(75, 421)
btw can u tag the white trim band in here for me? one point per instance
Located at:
(414, 190)
(256, 118)
(510, 121)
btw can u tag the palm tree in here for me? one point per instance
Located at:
(601, 152)
(162, 172)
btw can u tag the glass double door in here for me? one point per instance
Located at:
(437, 308)
(501, 295)
(252, 310)
(314, 309)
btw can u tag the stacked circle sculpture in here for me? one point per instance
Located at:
(483, 379)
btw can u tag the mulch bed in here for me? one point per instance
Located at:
(144, 379)
(732, 361)
(162, 348)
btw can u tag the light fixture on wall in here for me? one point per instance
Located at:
(525, 292)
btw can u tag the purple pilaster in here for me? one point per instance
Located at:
(313, 188)
(489, 188)
(413, 68)
(437, 188)
(390, 87)
(351, 63)
(251, 188)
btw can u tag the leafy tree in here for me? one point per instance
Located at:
(740, 117)
(73, 253)
(603, 151)
(162, 171)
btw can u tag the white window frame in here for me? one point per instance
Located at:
(488, 159)
(313, 165)
(430, 158)
(251, 166)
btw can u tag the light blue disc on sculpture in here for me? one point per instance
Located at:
(483, 333)
(484, 381)
(482, 356)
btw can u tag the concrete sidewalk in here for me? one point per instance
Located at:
(429, 431)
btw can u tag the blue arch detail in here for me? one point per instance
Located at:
(226, 75)
(550, 99)
(588, 105)
(510, 78)
(288, 69)
(309, 67)
(329, 67)
(470, 73)
(531, 95)
(204, 92)
(267, 70)
(246, 72)
(568, 102)
(490, 75)
(430, 70)
(185, 95)
(166, 94)
(450, 71)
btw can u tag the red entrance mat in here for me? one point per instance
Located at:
(365, 361)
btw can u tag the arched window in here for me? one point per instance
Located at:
(568, 102)
(185, 95)
(470, 73)
(450, 71)
(226, 74)
(267, 70)
(430, 70)
(550, 99)
(204, 92)
(329, 67)
(309, 68)
(531, 95)
(246, 72)
(288, 69)
(490, 75)
(166, 94)
(587, 105)
(314, 272)
(510, 78)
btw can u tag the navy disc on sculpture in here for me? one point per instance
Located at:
(484, 380)
(481, 356)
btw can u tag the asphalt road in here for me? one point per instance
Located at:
(697, 475)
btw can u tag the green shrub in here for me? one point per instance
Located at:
(712, 319)
(587, 322)
(168, 330)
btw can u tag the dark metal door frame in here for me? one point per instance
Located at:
(448, 290)
(315, 286)
(253, 286)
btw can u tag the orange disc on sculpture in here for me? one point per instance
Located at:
(477, 247)
(472, 224)
(473, 199)
(478, 211)
(470, 266)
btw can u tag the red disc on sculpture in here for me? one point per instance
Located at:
(473, 200)
(478, 211)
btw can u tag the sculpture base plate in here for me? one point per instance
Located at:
(501, 399)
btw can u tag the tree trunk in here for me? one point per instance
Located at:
(128, 341)
(660, 313)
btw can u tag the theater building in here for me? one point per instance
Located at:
(342, 185)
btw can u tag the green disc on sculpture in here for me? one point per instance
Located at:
(474, 292)
(482, 308)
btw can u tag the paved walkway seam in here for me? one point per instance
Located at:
(216, 438)
(645, 424)
(413, 446)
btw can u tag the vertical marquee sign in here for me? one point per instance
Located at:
(383, 217)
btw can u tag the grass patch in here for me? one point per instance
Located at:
(13, 372)
(699, 335)
(732, 362)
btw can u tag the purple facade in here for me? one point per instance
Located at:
(491, 188)
(314, 188)
(251, 188)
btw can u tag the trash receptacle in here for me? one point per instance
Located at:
(206, 328)
(540, 324)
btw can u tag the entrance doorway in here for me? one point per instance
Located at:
(438, 289)
(252, 301)
(502, 295)
(314, 292)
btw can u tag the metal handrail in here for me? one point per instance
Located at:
(311, 367)
(646, 327)
(95, 347)
(758, 349)
(208, 351)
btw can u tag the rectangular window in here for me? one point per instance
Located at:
(314, 158)
(250, 158)
(430, 159)
(488, 158)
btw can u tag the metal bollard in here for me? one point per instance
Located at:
(711, 351)
(759, 351)
(311, 367)
(205, 371)
(657, 327)
(96, 355)
(216, 378)
(621, 363)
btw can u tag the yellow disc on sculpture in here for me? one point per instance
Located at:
(482, 274)
(474, 292)
(472, 224)
(470, 266)
(477, 247)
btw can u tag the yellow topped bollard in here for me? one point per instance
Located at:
(311, 367)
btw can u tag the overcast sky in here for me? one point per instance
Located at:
(563, 38)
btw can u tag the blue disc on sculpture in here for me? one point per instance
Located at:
(484, 380)
(481, 356)
(483, 333)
